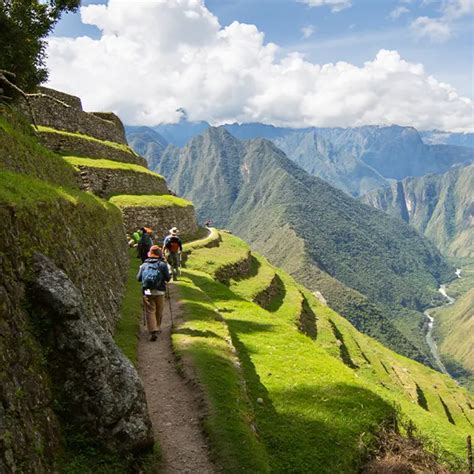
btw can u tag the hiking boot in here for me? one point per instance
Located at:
(154, 335)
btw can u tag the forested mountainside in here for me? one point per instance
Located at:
(441, 206)
(314, 231)
(356, 160)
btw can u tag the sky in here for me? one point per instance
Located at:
(291, 63)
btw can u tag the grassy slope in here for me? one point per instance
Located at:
(21, 153)
(109, 164)
(308, 397)
(164, 200)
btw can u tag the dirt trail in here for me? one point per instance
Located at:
(172, 402)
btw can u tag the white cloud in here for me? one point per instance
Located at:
(307, 31)
(398, 12)
(440, 29)
(154, 57)
(436, 30)
(336, 5)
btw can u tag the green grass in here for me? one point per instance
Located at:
(203, 340)
(164, 200)
(323, 400)
(128, 327)
(212, 236)
(108, 164)
(118, 146)
(231, 251)
(23, 192)
(21, 153)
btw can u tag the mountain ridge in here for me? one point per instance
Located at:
(252, 188)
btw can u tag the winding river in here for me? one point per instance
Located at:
(429, 333)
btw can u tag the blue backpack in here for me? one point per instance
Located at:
(152, 278)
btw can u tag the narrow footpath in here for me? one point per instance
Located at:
(174, 408)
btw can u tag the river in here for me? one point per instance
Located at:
(429, 334)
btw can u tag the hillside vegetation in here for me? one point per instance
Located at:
(283, 399)
(385, 270)
(454, 329)
(441, 206)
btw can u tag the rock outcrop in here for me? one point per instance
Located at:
(96, 385)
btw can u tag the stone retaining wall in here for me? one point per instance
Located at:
(240, 268)
(106, 182)
(266, 296)
(88, 242)
(160, 219)
(68, 99)
(77, 146)
(52, 112)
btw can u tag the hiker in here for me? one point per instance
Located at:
(144, 244)
(136, 236)
(172, 248)
(154, 275)
(208, 223)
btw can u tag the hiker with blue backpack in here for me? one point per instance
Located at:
(154, 275)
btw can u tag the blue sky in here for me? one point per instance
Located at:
(354, 34)
(284, 62)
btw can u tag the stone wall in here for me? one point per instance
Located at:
(68, 99)
(52, 112)
(77, 146)
(87, 241)
(105, 182)
(160, 219)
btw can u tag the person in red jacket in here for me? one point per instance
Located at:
(172, 248)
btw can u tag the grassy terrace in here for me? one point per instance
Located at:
(109, 164)
(209, 260)
(261, 275)
(118, 146)
(21, 153)
(313, 403)
(164, 200)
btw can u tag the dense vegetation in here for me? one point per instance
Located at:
(24, 25)
(314, 231)
(439, 205)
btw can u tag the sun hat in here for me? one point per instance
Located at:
(174, 230)
(155, 252)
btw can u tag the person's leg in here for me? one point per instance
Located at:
(160, 304)
(150, 311)
(174, 265)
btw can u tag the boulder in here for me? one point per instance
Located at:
(98, 388)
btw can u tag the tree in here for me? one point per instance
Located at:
(24, 25)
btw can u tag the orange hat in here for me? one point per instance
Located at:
(148, 230)
(155, 252)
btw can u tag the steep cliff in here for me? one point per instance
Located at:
(441, 206)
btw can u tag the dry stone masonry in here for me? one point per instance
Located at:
(75, 144)
(57, 111)
(160, 219)
(106, 182)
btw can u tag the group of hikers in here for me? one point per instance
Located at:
(159, 264)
